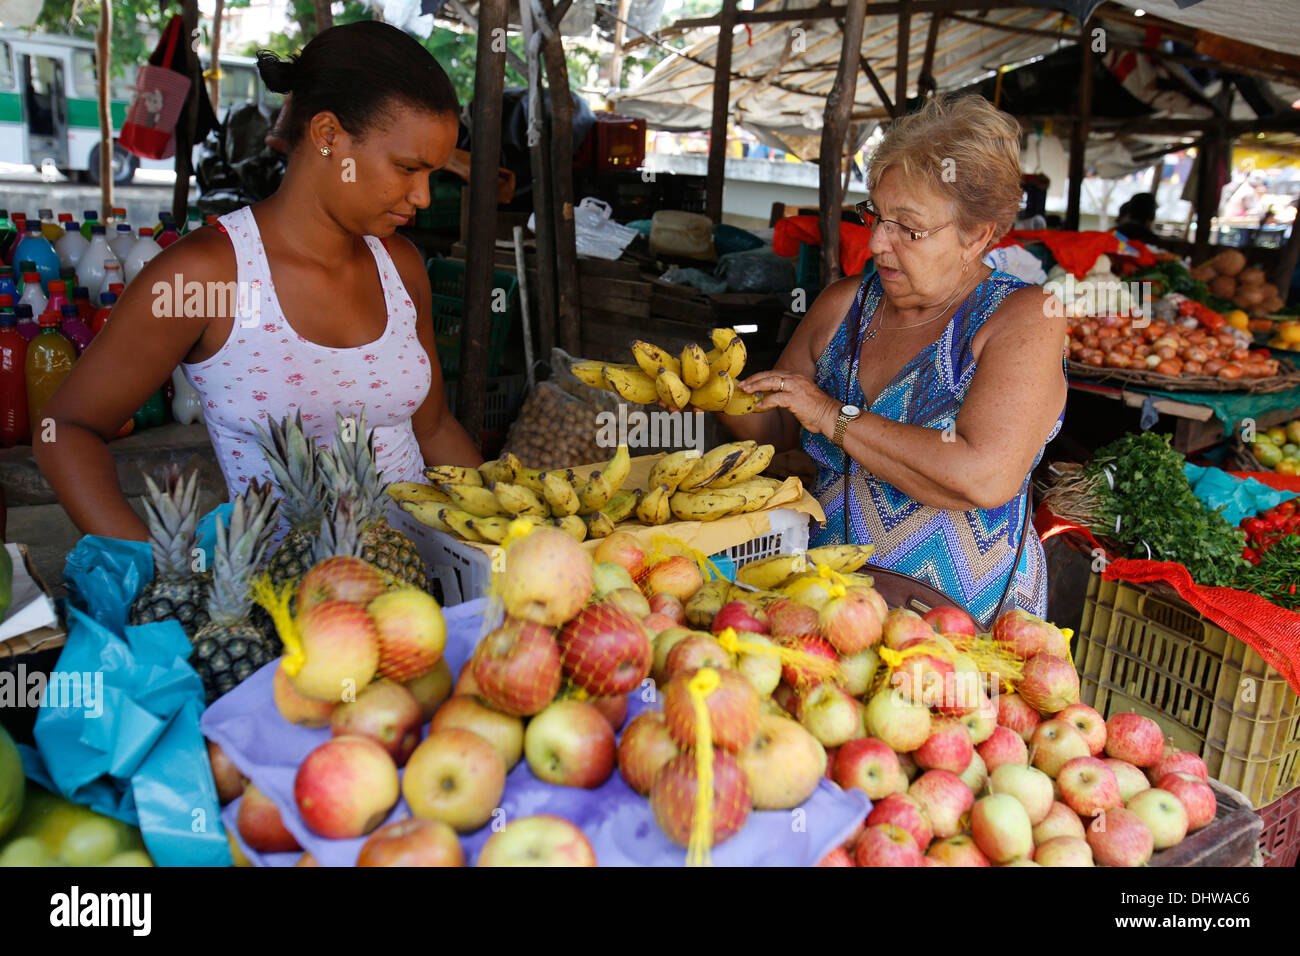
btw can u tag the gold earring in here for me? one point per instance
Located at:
(325, 150)
(965, 266)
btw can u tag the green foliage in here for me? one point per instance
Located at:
(136, 25)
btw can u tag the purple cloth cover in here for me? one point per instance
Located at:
(617, 820)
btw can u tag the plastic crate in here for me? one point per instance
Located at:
(501, 405)
(447, 279)
(443, 211)
(464, 571)
(1279, 844)
(1211, 693)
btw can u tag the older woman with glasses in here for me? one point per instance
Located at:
(926, 392)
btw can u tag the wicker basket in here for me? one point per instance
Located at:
(1289, 377)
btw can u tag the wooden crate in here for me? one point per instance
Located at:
(1229, 840)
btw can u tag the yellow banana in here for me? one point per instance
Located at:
(721, 338)
(730, 360)
(651, 358)
(767, 574)
(695, 366)
(531, 478)
(518, 500)
(416, 491)
(622, 505)
(492, 529)
(672, 391)
(616, 469)
(573, 526)
(743, 402)
(459, 522)
(705, 505)
(599, 525)
(559, 493)
(426, 512)
(747, 469)
(842, 557)
(592, 373)
(714, 394)
(456, 474)
(653, 508)
(705, 603)
(594, 493)
(716, 462)
(499, 470)
(756, 492)
(631, 384)
(672, 468)
(476, 500)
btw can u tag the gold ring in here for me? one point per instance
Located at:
(782, 388)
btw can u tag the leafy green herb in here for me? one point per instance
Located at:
(1277, 576)
(1148, 506)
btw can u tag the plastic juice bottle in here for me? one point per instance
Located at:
(73, 329)
(72, 246)
(119, 214)
(152, 413)
(8, 234)
(112, 277)
(144, 249)
(38, 250)
(107, 301)
(168, 235)
(91, 219)
(81, 299)
(164, 217)
(49, 360)
(7, 284)
(192, 219)
(69, 278)
(91, 267)
(21, 274)
(122, 241)
(65, 221)
(33, 295)
(50, 227)
(27, 326)
(20, 229)
(58, 296)
(15, 428)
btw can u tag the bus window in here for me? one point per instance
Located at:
(85, 78)
(7, 78)
(238, 86)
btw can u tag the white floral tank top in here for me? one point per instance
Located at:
(265, 370)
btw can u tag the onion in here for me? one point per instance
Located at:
(1213, 365)
(1169, 368)
(1095, 359)
(1152, 361)
(1087, 328)
(1192, 368)
(1230, 371)
(1195, 354)
(1165, 341)
(1239, 355)
(1116, 360)
(1167, 352)
(1091, 341)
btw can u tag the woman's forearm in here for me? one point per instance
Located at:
(449, 444)
(939, 468)
(80, 469)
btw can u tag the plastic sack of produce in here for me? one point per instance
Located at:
(556, 426)
(1019, 262)
(618, 822)
(1240, 498)
(728, 239)
(696, 279)
(759, 270)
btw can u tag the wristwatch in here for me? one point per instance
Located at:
(848, 413)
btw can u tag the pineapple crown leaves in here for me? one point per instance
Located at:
(172, 515)
(340, 532)
(239, 550)
(295, 464)
(351, 471)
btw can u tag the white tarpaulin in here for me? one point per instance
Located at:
(1271, 24)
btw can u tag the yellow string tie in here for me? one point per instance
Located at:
(276, 604)
(701, 685)
(666, 546)
(820, 666)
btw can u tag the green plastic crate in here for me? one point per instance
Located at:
(447, 278)
(1212, 694)
(443, 211)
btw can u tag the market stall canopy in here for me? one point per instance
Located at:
(782, 72)
(1271, 24)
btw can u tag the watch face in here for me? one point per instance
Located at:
(852, 411)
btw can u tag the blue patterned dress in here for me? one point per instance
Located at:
(965, 554)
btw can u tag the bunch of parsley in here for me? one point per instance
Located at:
(1147, 502)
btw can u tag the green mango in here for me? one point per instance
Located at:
(12, 783)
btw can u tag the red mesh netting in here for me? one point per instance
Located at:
(1271, 631)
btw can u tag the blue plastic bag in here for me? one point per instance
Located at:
(104, 575)
(1241, 498)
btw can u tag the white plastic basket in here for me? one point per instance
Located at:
(464, 571)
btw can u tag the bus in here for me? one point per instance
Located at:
(48, 111)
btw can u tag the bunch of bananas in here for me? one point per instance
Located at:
(693, 487)
(478, 504)
(783, 570)
(699, 379)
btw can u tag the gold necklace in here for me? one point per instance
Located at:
(871, 333)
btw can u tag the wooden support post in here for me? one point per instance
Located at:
(324, 15)
(103, 56)
(1286, 263)
(925, 83)
(839, 108)
(542, 295)
(1157, 174)
(569, 304)
(214, 85)
(188, 123)
(620, 35)
(878, 87)
(721, 112)
(1209, 158)
(900, 77)
(1079, 132)
(480, 256)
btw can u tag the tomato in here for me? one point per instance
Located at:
(1275, 522)
(1287, 507)
(1253, 525)
(1250, 555)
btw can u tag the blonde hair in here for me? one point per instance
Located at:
(962, 148)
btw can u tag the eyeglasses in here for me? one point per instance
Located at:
(892, 228)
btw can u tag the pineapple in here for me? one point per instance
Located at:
(230, 647)
(293, 460)
(176, 592)
(350, 472)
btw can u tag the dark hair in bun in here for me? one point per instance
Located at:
(358, 72)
